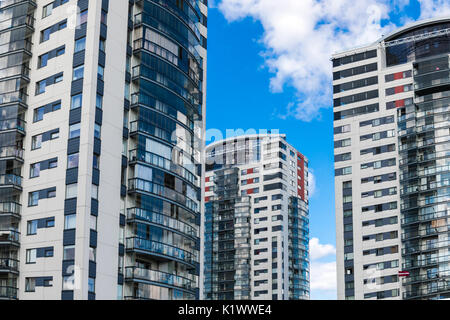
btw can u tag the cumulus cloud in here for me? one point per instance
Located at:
(322, 274)
(300, 37)
(318, 250)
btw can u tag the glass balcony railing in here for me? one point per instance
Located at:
(431, 290)
(10, 180)
(10, 208)
(156, 160)
(429, 276)
(424, 232)
(12, 124)
(8, 293)
(425, 262)
(11, 152)
(163, 220)
(162, 249)
(16, 45)
(9, 236)
(13, 97)
(26, 20)
(414, 249)
(137, 184)
(8, 264)
(160, 277)
(424, 187)
(6, 3)
(425, 217)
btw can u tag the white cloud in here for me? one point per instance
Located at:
(301, 35)
(312, 186)
(322, 274)
(318, 250)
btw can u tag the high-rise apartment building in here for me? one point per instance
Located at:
(101, 104)
(256, 220)
(392, 158)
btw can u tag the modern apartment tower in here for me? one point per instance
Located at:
(102, 104)
(392, 165)
(256, 220)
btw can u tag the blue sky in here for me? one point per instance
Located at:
(249, 86)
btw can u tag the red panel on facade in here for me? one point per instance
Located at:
(207, 179)
(399, 89)
(206, 199)
(249, 191)
(398, 75)
(249, 171)
(400, 103)
(207, 189)
(249, 181)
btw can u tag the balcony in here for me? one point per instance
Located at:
(422, 263)
(158, 219)
(11, 152)
(432, 246)
(425, 217)
(434, 276)
(161, 162)
(15, 72)
(408, 235)
(443, 287)
(10, 208)
(10, 181)
(414, 189)
(7, 3)
(24, 45)
(14, 97)
(8, 293)
(159, 277)
(162, 251)
(8, 265)
(9, 237)
(13, 125)
(140, 185)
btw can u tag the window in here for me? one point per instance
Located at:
(74, 131)
(78, 73)
(93, 223)
(71, 191)
(76, 101)
(48, 252)
(97, 131)
(30, 284)
(99, 101)
(32, 227)
(104, 17)
(73, 160)
(53, 164)
(70, 222)
(47, 10)
(69, 253)
(35, 170)
(102, 45)
(80, 44)
(96, 162)
(38, 114)
(59, 78)
(91, 285)
(60, 51)
(54, 135)
(45, 34)
(31, 255)
(51, 194)
(33, 199)
(82, 17)
(42, 60)
(40, 87)
(92, 254)
(50, 223)
(94, 192)
(68, 282)
(100, 72)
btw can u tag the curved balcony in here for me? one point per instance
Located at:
(13, 125)
(145, 216)
(7, 3)
(14, 72)
(8, 265)
(408, 235)
(414, 189)
(14, 97)
(414, 203)
(415, 249)
(10, 208)
(156, 277)
(433, 290)
(162, 250)
(9, 47)
(11, 152)
(9, 237)
(434, 276)
(10, 181)
(8, 293)
(161, 162)
(421, 263)
(425, 217)
(136, 185)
